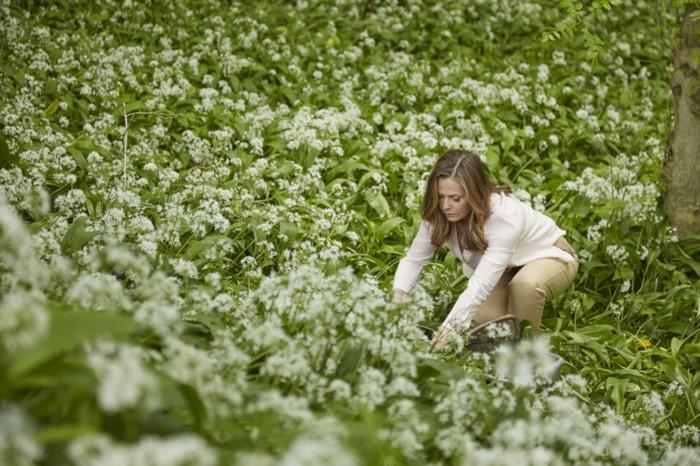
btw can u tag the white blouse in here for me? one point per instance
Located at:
(516, 235)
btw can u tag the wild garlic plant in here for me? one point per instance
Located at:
(202, 206)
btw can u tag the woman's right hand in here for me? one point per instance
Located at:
(398, 296)
(440, 338)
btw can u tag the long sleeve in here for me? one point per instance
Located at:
(502, 232)
(417, 256)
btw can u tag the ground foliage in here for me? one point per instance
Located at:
(203, 204)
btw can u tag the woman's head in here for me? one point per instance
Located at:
(458, 192)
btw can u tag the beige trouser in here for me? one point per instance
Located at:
(523, 291)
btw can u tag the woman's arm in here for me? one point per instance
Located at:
(412, 264)
(502, 232)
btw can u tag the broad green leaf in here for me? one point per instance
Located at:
(51, 109)
(690, 349)
(378, 202)
(388, 225)
(77, 235)
(62, 433)
(349, 359)
(391, 249)
(7, 160)
(195, 248)
(278, 143)
(130, 107)
(676, 344)
(68, 330)
(290, 230)
(367, 177)
(346, 167)
(596, 330)
(194, 402)
(616, 388)
(78, 157)
(448, 371)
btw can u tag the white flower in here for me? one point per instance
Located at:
(24, 319)
(317, 451)
(184, 268)
(98, 291)
(178, 450)
(675, 388)
(617, 253)
(339, 389)
(654, 406)
(17, 443)
(687, 434)
(528, 364)
(681, 456)
(625, 287)
(124, 382)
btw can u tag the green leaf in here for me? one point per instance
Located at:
(69, 329)
(369, 177)
(7, 160)
(51, 109)
(77, 235)
(393, 250)
(194, 402)
(692, 349)
(624, 273)
(389, 225)
(350, 359)
(346, 167)
(669, 369)
(676, 344)
(429, 366)
(195, 248)
(291, 97)
(616, 389)
(130, 107)
(596, 330)
(78, 157)
(290, 230)
(378, 202)
(62, 433)
(278, 143)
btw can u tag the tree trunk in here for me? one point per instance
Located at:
(682, 164)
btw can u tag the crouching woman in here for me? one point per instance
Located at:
(516, 258)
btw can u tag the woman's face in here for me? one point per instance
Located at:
(452, 199)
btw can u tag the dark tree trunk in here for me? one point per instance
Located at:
(682, 165)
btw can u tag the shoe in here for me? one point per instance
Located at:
(487, 336)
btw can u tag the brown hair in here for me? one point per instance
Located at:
(467, 169)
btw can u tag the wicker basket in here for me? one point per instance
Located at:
(489, 335)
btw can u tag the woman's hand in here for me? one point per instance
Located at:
(440, 338)
(398, 296)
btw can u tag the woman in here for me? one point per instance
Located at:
(515, 257)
